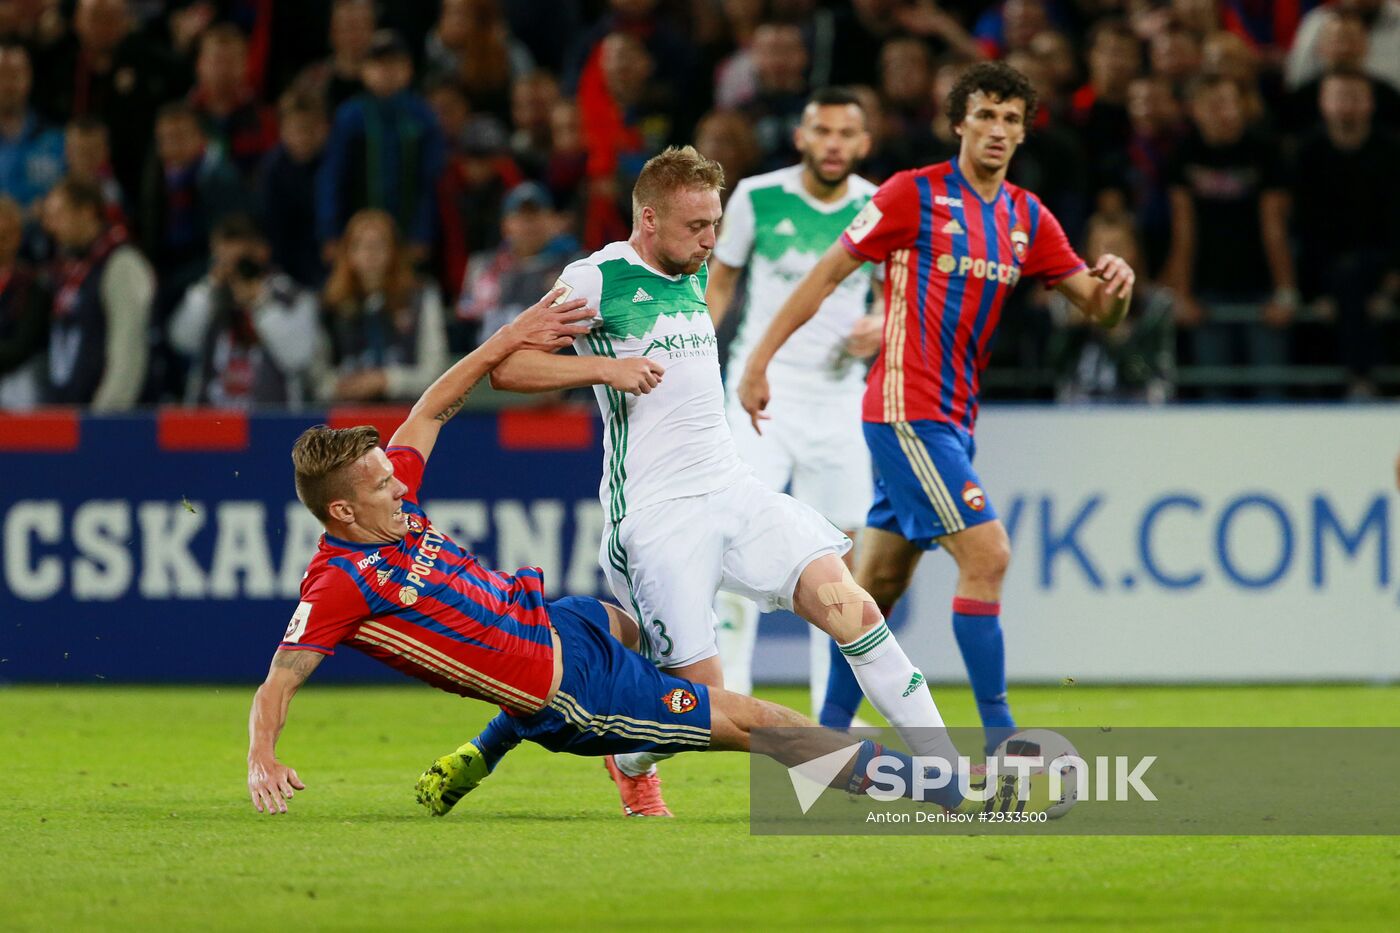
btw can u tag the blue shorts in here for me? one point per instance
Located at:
(611, 700)
(925, 486)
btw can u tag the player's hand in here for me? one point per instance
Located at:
(271, 784)
(754, 395)
(1117, 276)
(864, 339)
(636, 375)
(549, 326)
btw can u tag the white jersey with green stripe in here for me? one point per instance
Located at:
(674, 441)
(778, 230)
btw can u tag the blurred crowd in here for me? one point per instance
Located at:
(248, 203)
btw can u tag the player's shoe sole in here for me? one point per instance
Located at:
(451, 778)
(641, 796)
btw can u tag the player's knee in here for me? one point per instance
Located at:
(989, 562)
(885, 586)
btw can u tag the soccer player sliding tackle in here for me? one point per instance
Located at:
(954, 238)
(388, 583)
(685, 516)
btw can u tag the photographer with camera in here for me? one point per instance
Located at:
(248, 331)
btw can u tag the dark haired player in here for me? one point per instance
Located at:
(955, 238)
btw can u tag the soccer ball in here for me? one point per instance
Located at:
(1049, 746)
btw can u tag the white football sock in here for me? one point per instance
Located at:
(735, 635)
(635, 764)
(898, 690)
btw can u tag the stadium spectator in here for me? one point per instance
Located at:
(534, 250)
(532, 101)
(1382, 21)
(31, 153)
(1056, 53)
(889, 153)
(450, 106)
(1226, 54)
(88, 154)
(1010, 26)
(1051, 160)
(244, 128)
(1341, 46)
(385, 151)
(1099, 109)
(189, 188)
(287, 188)
(780, 61)
(1345, 204)
(470, 193)
(1229, 263)
(857, 33)
(726, 137)
(673, 57)
(567, 168)
(472, 45)
(626, 118)
(1134, 361)
(107, 69)
(248, 332)
(341, 76)
(388, 338)
(103, 290)
(1137, 174)
(24, 317)
(938, 142)
(906, 82)
(735, 78)
(1174, 53)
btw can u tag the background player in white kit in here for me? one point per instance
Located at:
(685, 515)
(776, 226)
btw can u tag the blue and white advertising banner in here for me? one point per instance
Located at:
(1249, 543)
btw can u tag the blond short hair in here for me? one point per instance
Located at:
(321, 461)
(677, 168)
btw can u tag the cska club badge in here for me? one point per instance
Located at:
(1020, 241)
(680, 701)
(973, 496)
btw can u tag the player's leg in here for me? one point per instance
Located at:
(770, 457)
(883, 569)
(666, 558)
(832, 474)
(748, 724)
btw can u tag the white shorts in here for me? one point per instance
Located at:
(665, 562)
(814, 446)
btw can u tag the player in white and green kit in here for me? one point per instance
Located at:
(685, 515)
(776, 227)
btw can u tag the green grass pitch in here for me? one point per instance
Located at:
(125, 808)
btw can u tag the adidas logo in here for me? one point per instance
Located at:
(786, 227)
(383, 575)
(953, 226)
(915, 683)
(641, 296)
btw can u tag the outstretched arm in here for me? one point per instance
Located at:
(801, 306)
(534, 371)
(542, 326)
(270, 783)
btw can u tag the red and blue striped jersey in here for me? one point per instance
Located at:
(951, 259)
(428, 608)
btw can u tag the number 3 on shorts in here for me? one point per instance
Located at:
(661, 634)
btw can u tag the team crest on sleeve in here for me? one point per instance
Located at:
(680, 701)
(568, 291)
(1020, 241)
(297, 626)
(864, 222)
(974, 497)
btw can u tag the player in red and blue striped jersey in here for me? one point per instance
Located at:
(385, 581)
(955, 239)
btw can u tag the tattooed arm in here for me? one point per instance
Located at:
(271, 783)
(542, 326)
